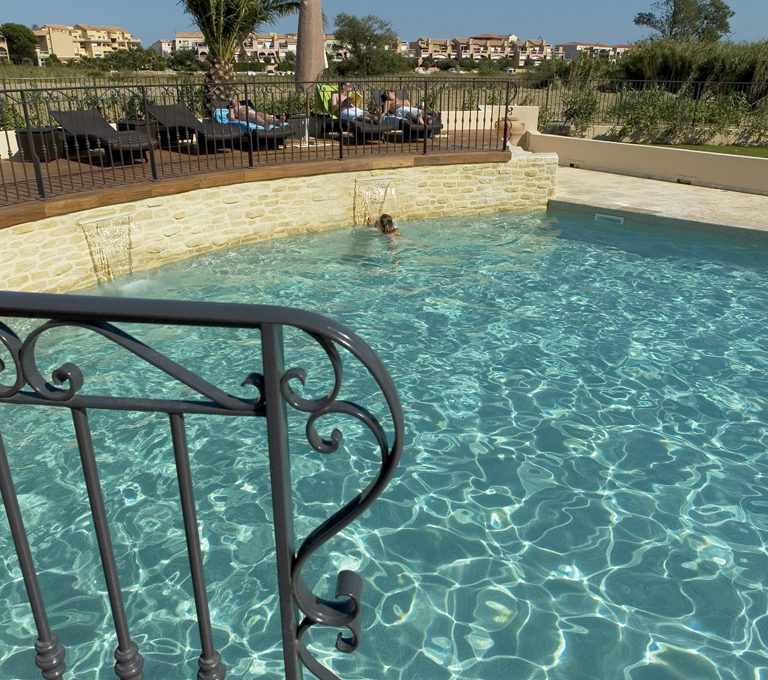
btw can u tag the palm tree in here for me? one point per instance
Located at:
(225, 24)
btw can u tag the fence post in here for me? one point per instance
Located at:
(282, 504)
(250, 132)
(506, 118)
(341, 131)
(152, 163)
(424, 116)
(32, 151)
(696, 94)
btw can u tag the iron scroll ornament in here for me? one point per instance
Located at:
(317, 610)
(65, 389)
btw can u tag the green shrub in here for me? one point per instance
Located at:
(580, 106)
(469, 100)
(431, 101)
(10, 118)
(654, 115)
(754, 130)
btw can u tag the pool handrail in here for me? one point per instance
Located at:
(275, 394)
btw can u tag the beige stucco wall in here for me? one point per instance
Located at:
(486, 117)
(52, 255)
(719, 170)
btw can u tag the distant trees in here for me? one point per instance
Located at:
(688, 20)
(372, 44)
(133, 59)
(185, 60)
(21, 42)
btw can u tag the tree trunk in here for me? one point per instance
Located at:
(219, 82)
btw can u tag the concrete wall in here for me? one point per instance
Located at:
(52, 255)
(486, 117)
(722, 171)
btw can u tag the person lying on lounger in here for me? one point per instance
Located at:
(237, 111)
(391, 105)
(345, 103)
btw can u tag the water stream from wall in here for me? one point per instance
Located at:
(374, 197)
(109, 241)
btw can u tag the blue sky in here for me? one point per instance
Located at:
(556, 20)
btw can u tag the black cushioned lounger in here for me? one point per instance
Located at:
(412, 130)
(88, 130)
(176, 122)
(262, 138)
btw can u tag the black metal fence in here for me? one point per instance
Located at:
(22, 382)
(570, 107)
(168, 129)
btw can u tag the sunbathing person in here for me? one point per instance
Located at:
(237, 111)
(401, 108)
(343, 103)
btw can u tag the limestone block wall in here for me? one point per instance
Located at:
(53, 255)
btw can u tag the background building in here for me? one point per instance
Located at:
(485, 46)
(573, 50)
(81, 40)
(4, 54)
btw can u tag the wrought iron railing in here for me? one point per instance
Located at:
(22, 382)
(40, 159)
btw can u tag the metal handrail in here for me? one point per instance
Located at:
(22, 382)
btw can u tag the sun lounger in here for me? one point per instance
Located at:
(87, 130)
(176, 122)
(263, 136)
(412, 130)
(363, 131)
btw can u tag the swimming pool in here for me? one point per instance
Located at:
(582, 490)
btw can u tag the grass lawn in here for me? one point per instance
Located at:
(760, 151)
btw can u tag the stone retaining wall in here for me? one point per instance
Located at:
(52, 255)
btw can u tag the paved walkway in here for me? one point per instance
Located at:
(653, 197)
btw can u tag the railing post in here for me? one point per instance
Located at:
(250, 132)
(129, 662)
(32, 151)
(506, 118)
(50, 654)
(424, 115)
(282, 504)
(341, 132)
(152, 163)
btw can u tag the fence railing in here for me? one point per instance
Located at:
(71, 387)
(618, 103)
(168, 129)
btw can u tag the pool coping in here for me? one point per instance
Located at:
(654, 219)
(720, 212)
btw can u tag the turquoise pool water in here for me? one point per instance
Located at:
(582, 493)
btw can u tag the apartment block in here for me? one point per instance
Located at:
(435, 48)
(485, 46)
(81, 40)
(267, 48)
(573, 50)
(4, 54)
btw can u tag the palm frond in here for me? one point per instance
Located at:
(225, 24)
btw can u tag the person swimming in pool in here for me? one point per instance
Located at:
(386, 225)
